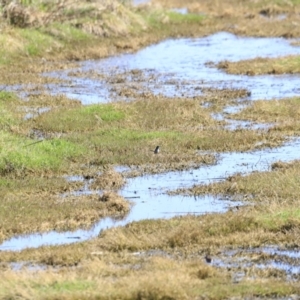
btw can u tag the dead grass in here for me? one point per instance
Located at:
(178, 266)
(279, 186)
(109, 179)
(33, 210)
(258, 66)
(284, 114)
(180, 237)
(157, 278)
(170, 260)
(252, 18)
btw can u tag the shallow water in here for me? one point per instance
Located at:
(286, 260)
(179, 67)
(168, 63)
(151, 201)
(182, 10)
(137, 2)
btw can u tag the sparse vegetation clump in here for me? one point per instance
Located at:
(109, 179)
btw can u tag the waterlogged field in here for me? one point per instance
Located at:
(89, 210)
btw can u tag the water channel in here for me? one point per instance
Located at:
(184, 62)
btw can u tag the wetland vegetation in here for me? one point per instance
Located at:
(251, 250)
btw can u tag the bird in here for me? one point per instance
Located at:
(156, 150)
(208, 258)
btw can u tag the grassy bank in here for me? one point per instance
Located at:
(81, 30)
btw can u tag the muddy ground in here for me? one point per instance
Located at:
(59, 156)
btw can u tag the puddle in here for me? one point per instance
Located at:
(19, 266)
(278, 17)
(286, 261)
(175, 68)
(151, 201)
(138, 2)
(35, 112)
(149, 206)
(182, 10)
(239, 124)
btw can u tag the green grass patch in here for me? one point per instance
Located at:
(15, 154)
(35, 41)
(184, 18)
(7, 97)
(125, 132)
(67, 33)
(283, 218)
(9, 113)
(80, 119)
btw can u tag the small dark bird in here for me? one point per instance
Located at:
(208, 258)
(156, 151)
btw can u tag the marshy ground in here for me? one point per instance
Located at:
(73, 135)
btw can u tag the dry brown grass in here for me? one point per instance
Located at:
(251, 18)
(177, 266)
(277, 186)
(177, 237)
(258, 66)
(46, 211)
(154, 278)
(109, 179)
(170, 263)
(284, 114)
